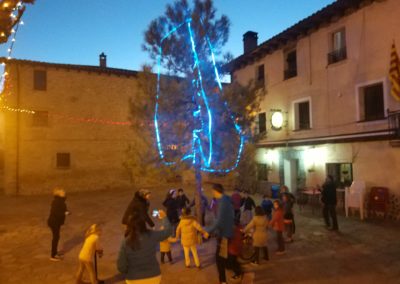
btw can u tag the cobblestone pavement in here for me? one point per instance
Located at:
(362, 252)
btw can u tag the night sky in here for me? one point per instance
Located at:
(77, 31)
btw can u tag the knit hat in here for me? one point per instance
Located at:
(218, 187)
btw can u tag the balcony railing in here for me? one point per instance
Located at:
(337, 55)
(290, 73)
(394, 123)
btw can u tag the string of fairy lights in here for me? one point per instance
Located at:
(15, 15)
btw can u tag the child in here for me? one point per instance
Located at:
(187, 231)
(267, 205)
(56, 219)
(234, 249)
(288, 216)
(259, 225)
(86, 256)
(277, 224)
(165, 248)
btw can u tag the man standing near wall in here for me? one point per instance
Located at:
(329, 200)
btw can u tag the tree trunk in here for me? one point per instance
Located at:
(197, 195)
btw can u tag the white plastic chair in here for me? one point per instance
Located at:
(354, 197)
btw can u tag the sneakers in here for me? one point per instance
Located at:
(280, 252)
(236, 277)
(254, 263)
(55, 258)
(289, 240)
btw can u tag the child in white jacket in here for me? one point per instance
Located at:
(86, 255)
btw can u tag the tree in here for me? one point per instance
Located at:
(205, 124)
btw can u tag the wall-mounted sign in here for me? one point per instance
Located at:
(277, 120)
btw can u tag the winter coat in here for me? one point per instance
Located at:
(236, 200)
(165, 245)
(140, 205)
(267, 205)
(182, 201)
(204, 204)
(224, 223)
(248, 203)
(328, 193)
(277, 220)
(57, 212)
(187, 230)
(288, 209)
(141, 262)
(171, 205)
(259, 225)
(235, 244)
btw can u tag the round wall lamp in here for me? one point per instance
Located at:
(277, 120)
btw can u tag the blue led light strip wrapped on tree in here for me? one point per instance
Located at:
(204, 134)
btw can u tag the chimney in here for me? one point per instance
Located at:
(249, 41)
(103, 60)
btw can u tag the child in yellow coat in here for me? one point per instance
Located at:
(187, 230)
(165, 249)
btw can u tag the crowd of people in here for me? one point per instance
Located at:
(233, 219)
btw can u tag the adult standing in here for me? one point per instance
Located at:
(329, 200)
(182, 200)
(171, 204)
(140, 203)
(137, 254)
(223, 226)
(237, 203)
(56, 219)
(248, 206)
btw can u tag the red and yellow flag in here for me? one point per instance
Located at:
(394, 73)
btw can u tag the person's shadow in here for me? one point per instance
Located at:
(115, 279)
(72, 242)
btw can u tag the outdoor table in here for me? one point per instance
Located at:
(312, 196)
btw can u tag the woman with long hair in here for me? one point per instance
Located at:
(137, 255)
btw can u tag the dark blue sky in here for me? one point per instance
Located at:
(77, 31)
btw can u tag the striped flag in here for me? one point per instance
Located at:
(394, 73)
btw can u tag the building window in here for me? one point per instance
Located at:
(290, 64)
(262, 123)
(40, 80)
(63, 160)
(337, 46)
(40, 119)
(260, 75)
(262, 172)
(371, 101)
(342, 173)
(302, 119)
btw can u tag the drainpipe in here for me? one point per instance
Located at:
(17, 185)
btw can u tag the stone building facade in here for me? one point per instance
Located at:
(327, 106)
(79, 133)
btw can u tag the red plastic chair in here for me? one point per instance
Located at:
(378, 201)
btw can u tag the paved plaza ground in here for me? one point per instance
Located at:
(362, 252)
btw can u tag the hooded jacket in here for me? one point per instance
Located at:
(187, 231)
(140, 205)
(259, 225)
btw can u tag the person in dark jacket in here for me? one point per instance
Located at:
(56, 219)
(248, 205)
(137, 254)
(182, 200)
(328, 198)
(171, 204)
(140, 203)
(223, 226)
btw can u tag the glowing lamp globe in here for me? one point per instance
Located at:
(277, 120)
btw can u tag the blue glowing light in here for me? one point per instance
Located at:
(202, 137)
